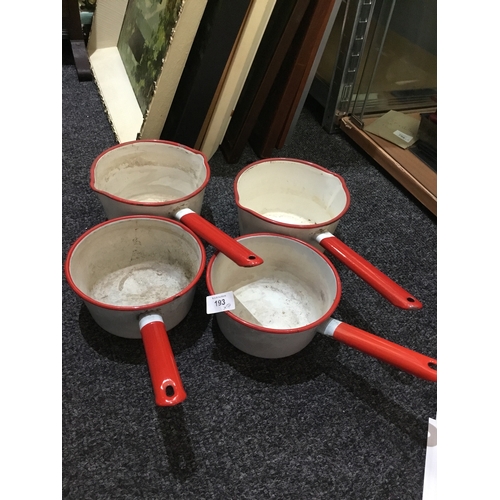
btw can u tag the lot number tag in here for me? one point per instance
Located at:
(220, 302)
(402, 135)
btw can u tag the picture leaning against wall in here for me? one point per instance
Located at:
(144, 40)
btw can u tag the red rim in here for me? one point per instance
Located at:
(149, 203)
(141, 307)
(314, 324)
(285, 224)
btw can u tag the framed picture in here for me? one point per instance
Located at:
(237, 68)
(281, 103)
(137, 52)
(276, 41)
(212, 48)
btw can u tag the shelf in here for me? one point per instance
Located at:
(406, 168)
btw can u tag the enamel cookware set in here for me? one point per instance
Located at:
(137, 271)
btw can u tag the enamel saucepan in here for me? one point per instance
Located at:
(153, 177)
(137, 276)
(304, 200)
(282, 304)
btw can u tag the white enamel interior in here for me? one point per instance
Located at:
(150, 172)
(135, 262)
(291, 192)
(293, 288)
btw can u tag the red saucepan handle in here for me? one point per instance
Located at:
(395, 294)
(401, 357)
(165, 377)
(217, 238)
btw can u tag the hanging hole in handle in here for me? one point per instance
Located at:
(252, 257)
(169, 390)
(410, 299)
(432, 365)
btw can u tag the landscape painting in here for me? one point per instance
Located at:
(144, 40)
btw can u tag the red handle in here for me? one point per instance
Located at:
(219, 239)
(395, 294)
(401, 357)
(165, 377)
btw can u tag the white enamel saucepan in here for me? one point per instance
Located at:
(137, 277)
(282, 304)
(304, 200)
(153, 177)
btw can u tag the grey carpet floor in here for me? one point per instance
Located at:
(326, 423)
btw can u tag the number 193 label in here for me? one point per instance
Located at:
(220, 302)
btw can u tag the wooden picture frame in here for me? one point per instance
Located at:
(279, 34)
(137, 69)
(237, 68)
(212, 47)
(277, 113)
